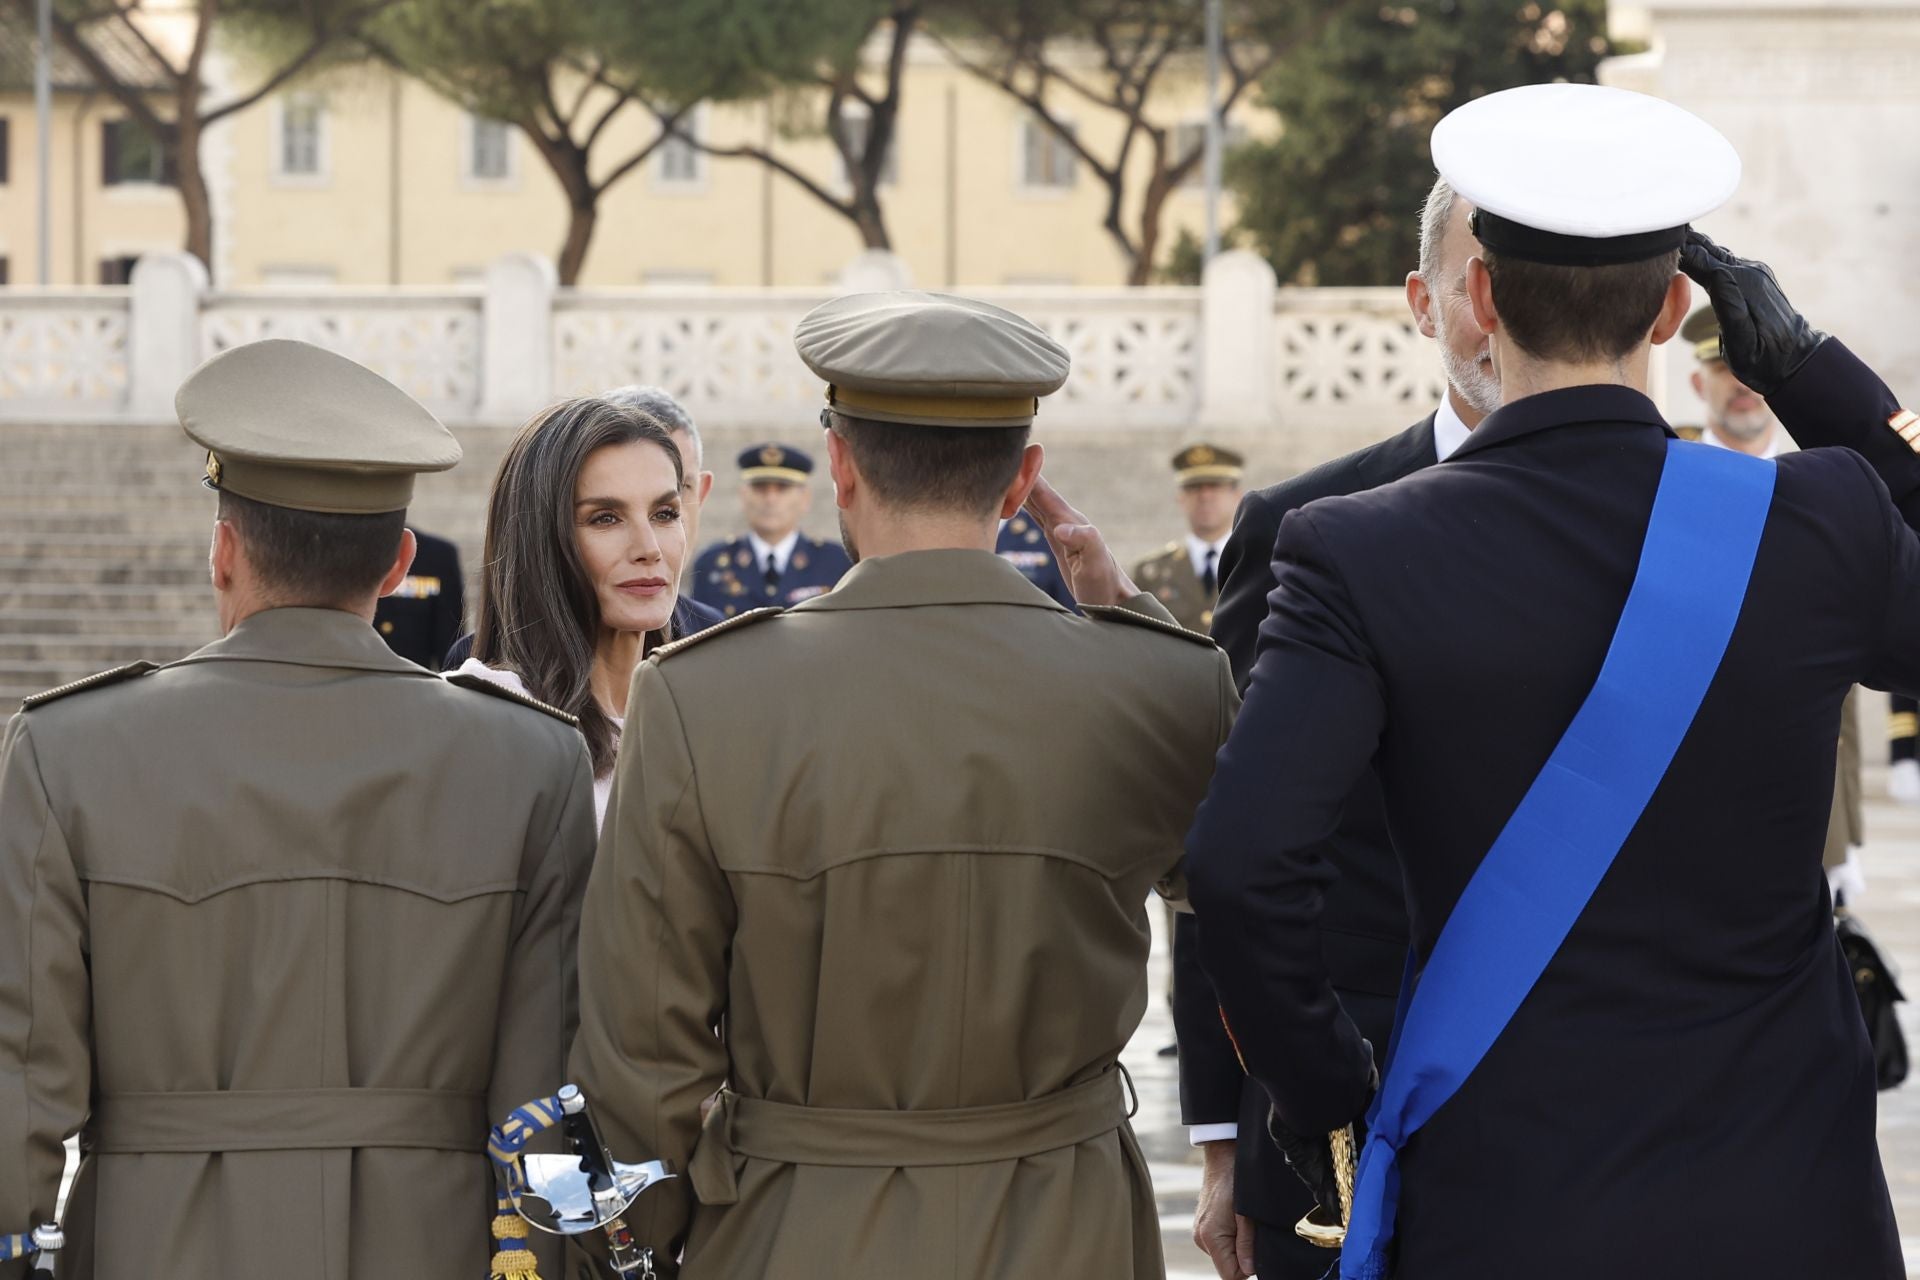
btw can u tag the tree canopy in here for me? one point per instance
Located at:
(1335, 199)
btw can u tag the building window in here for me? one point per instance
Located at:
(118, 270)
(679, 162)
(1047, 162)
(299, 149)
(3, 156)
(129, 154)
(1190, 139)
(856, 125)
(489, 150)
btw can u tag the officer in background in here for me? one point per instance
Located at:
(1185, 575)
(773, 563)
(427, 611)
(911, 900)
(287, 922)
(1738, 418)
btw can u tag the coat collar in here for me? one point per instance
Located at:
(916, 578)
(1400, 455)
(306, 638)
(1569, 405)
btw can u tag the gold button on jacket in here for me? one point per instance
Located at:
(898, 842)
(286, 924)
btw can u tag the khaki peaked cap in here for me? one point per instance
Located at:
(1702, 332)
(930, 359)
(294, 425)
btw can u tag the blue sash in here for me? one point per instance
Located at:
(1533, 884)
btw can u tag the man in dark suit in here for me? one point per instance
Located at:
(423, 615)
(1686, 1088)
(1249, 1199)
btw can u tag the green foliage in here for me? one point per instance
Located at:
(1335, 200)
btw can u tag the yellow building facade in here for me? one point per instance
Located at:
(361, 177)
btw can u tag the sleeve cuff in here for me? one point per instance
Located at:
(1204, 1133)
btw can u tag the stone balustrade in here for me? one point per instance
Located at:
(1235, 353)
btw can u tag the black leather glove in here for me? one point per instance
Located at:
(1764, 339)
(1311, 1156)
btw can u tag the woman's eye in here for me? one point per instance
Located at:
(604, 518)
(667, 515)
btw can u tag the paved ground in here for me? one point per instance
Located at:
(1891, 910)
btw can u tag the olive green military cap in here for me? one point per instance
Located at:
(1702, 333)
(1207, 464)
(930, 359)
(294, 425)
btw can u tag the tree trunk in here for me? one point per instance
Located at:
(1152, 204)
(189, 175)
(573, 250)
(192, 182)
(870, 221)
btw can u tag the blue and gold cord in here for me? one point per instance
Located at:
(14, 1247)
(512, 1257)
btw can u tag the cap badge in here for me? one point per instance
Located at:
(1202, 456)
(772, 456)
(213, 470)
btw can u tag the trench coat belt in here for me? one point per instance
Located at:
(287, 1120)
(738, 1128)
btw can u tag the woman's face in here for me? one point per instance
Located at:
(627, 527)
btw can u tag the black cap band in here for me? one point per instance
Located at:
(1529, 244)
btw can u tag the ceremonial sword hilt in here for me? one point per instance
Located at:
(48, 1241)
(566, 1195)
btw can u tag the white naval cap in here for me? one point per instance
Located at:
(1582, 174)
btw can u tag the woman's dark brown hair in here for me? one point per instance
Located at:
(538, 614)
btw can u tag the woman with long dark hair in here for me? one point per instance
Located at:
(585, 544)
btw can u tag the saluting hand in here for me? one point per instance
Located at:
(1093, 575)
(1764, 339)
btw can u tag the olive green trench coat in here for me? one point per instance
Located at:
(284, 926)
(897, 841)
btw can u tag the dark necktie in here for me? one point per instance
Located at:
(1208, 580)
(773, 572)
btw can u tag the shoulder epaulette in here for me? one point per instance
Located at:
(1689, 433)
(1117, 613)
(734, 623)
(98, 680)
(480, 684)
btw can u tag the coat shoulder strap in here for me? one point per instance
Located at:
(734, 623)
(98, 680)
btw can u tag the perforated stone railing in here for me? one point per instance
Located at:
(64, 354)
(728, 355)
(1232, 353)
(428, 344)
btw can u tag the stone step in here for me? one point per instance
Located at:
(104, 547)
(90, 654)
(91, 624)
(100, 571)
(106, 601)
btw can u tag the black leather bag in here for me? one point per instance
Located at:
(1874, 982)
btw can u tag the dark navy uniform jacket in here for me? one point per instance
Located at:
(726, 578)
(420, 619)
(1688, 1090)
(1364, 923)
(1024, 546)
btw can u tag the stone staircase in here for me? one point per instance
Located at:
(104, 527)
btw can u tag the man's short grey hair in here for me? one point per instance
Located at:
(1433, 229)
(657, 404)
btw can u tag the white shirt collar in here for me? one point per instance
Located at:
(1449, 432)
(1781, 442)
(782, 550)
(1197, 549)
